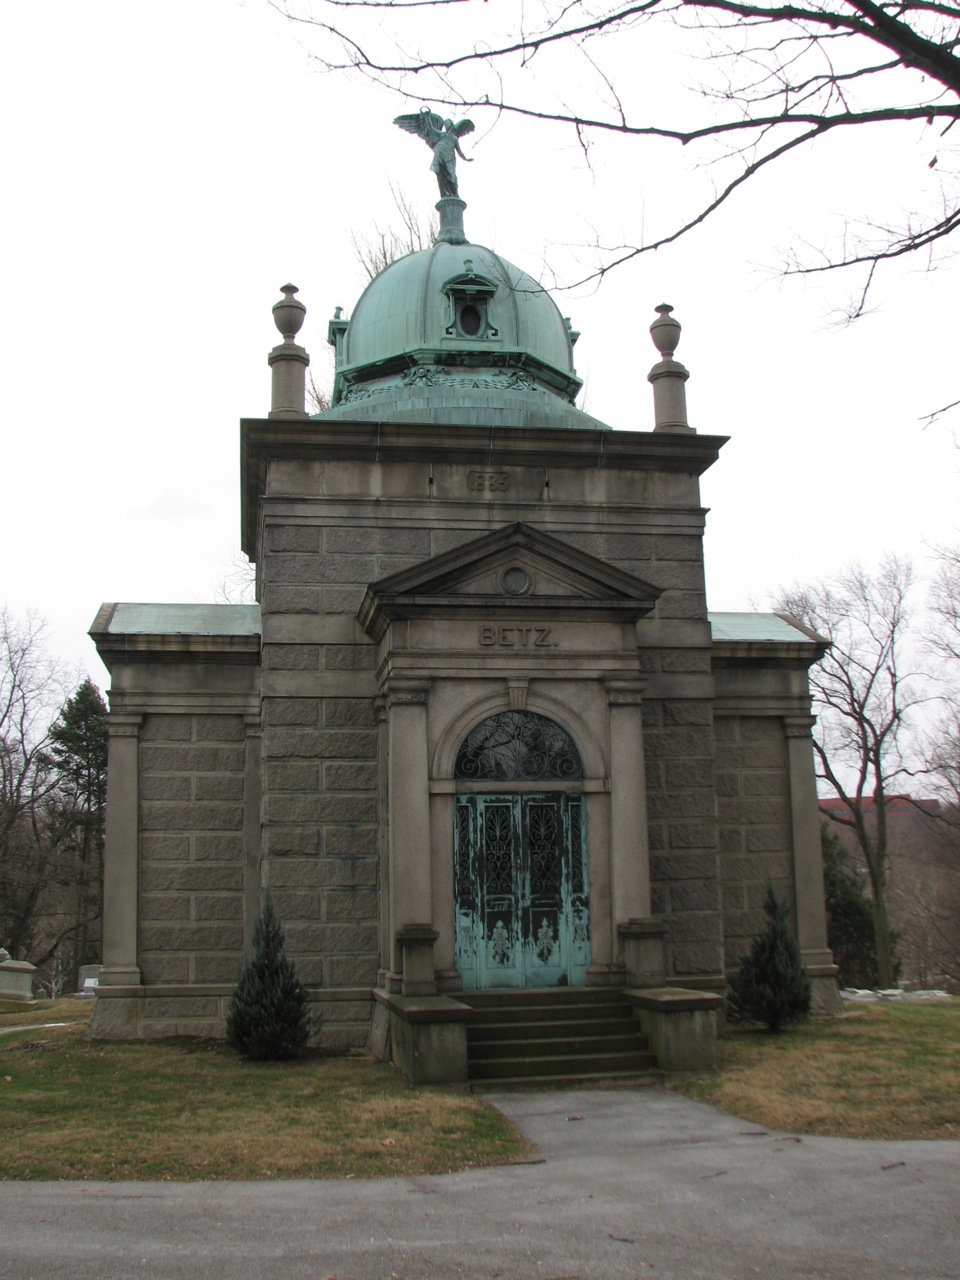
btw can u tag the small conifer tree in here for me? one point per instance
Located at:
(268, 1017)
(771, 985)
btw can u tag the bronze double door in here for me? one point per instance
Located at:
(522, 903)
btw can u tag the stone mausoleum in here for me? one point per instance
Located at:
(480, 734)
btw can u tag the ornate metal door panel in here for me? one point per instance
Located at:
(522, 903)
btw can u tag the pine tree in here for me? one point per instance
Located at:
(772, 985)
(268, 1017)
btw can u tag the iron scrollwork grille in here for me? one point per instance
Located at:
(518, 746)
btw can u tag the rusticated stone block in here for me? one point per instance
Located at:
(175, 878)
(687, 712)
(726, 729)
(654, 772)
(191, 759)
(731, 839)
(182, 1007)
(301, 810)
(340, 1039)
(744, 924)
(739, 756)
(295, 873)
(287, 842)
(352, 971)
(161, 728)
(692, 835)
(733, 897)
(219, 729)
(301, 569)
(685, 661)
(677, 546)
(673, 575)
(415, 542)
(350, 842)
(277, 599)
(350, 777)
(356, 904)
(310, 972)
(767, 839)
(301, 713)
(196, 817)
(222, 968)
(697, 927)
(657, 837)
(165, 786)
(761, 729)
(289, 775)
(164, 906)
(689, 773)
(768, 782)
(156, 968)
(349, 657)
(191, 937)
(777, 874)
(756, 810)
(682, 605)
(291, 657)
(693, 960)
(342, 599)
(295, 904)
(332, 939)
(218, 906)
(348, 713)
(163, 848)
(728, 783)
(681, 804)
(223, 786)
(349, 1010)
(287, 537)
(648, 660)
(348, 873)
(315, 744)
(695, 895)
(221, 846)
(684, 743)
(688, 866)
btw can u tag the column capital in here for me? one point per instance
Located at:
(799, 726)
(123, 725)
(624, 691)
(406, 691)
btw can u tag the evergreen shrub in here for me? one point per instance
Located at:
(771, 985)
(268, 1016)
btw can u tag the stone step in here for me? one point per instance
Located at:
(592, 1064)
(572, 1080)
(572, 1046)
(480, 1032)
(509, 997)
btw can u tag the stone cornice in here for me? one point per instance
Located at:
(263, 440)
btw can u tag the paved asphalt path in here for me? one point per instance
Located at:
(626, 1183)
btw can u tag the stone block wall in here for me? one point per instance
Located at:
(191, 848)
(755, 837)
(682, 816)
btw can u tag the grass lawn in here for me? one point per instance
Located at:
(184, 1110)
(880, 1071)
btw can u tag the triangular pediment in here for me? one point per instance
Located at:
(516, 565)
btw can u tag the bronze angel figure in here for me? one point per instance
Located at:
(443, 138)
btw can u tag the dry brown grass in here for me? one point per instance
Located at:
(880, 1071)
(184, 1110)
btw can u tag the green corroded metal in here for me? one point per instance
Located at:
(522, 894)
(456, 335)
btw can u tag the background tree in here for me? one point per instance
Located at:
(774, 79)
(849, 916)
(864, 693)
(78, 748)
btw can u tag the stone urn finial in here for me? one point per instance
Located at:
(289, 313)
(665, 331)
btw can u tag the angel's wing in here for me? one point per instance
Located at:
(424, 123)
(463, 128)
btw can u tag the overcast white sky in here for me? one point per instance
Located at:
(168, 166)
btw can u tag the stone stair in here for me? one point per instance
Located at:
(555, 1036)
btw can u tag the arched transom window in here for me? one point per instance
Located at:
(518, 746)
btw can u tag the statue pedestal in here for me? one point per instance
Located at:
(451, 230)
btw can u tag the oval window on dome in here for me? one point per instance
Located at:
(471, 320)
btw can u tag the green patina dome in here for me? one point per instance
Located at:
(456, 334)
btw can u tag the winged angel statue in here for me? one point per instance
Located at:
(443, 138)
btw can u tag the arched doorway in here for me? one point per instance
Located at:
(522, 904)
